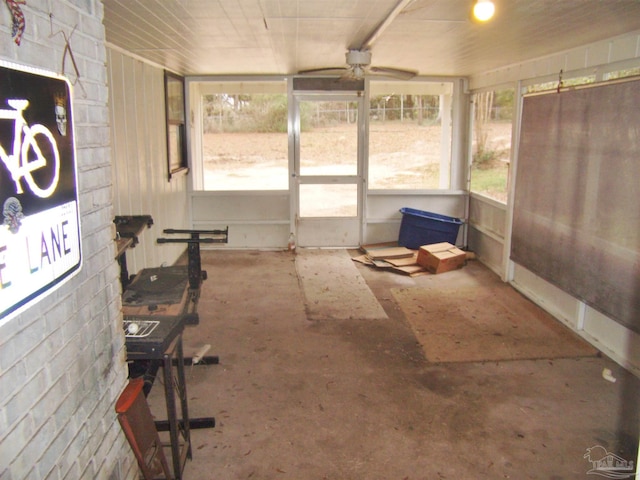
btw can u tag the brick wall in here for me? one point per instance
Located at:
(62, 361)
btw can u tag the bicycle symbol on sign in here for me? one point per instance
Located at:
(27, 156)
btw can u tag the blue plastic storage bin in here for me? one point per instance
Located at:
(424, 228)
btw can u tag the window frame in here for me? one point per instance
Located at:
(175, 117)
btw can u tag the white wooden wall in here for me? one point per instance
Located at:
(618, 52)
(384, 217)
(486, 231)
(138, 140)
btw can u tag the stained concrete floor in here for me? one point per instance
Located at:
(295, 398)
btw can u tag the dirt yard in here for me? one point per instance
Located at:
(402, 155)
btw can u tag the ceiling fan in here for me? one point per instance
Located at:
(359, 65)
(359, 59)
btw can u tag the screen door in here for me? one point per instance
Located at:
(327, 170)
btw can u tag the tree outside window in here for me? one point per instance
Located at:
(491, 143)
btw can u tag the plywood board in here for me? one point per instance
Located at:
(333, 287)
(483, 319)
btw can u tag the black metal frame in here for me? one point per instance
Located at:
(196, 274)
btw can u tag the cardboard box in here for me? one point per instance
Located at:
(441, 257)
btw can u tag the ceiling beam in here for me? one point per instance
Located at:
(368, 43)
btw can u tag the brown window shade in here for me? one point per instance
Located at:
(577, 199)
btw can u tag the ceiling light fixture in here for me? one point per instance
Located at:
(358, 71)
(483, 10)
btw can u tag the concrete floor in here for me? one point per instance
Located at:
(296, 398)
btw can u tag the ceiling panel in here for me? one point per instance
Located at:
(285, 36)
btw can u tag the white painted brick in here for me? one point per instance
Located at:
(59, 386)
(4, 422)
(47, 406)
(72, 472)
(63, 17)
(61, 312)
(96, 157)
(59, 362)
(36, 312)
(28, 338)
(93, 136)
(27, 397)
(53, 475)
(50, 457)
(92, 242)
(65, 414)
(40, 355)
(97, 198)
(5, 18)
(92, 222)
(41, 55)
(5, 474)
(86, 453)
(101, 259)
(97, 178)
(8, 355)
(38, 6)
(13, 443)
(123, 463)
(7, 48)
(67, 463)
(75, 372)
(105, 447)
(34, 447)
(98, 116)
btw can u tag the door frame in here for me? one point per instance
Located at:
(326, 231)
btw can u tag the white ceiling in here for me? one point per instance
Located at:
(434, 37)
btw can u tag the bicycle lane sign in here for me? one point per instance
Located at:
(40, 242)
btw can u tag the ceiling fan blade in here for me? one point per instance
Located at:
(349, 75)
(394, 72)
(325, 71)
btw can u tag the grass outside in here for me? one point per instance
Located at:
(490, 169)
(491, 182)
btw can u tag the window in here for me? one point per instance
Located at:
(174, 106)
(410, 135)
(244, 140)
(624, 73)
(564, 82)
(491, 142)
